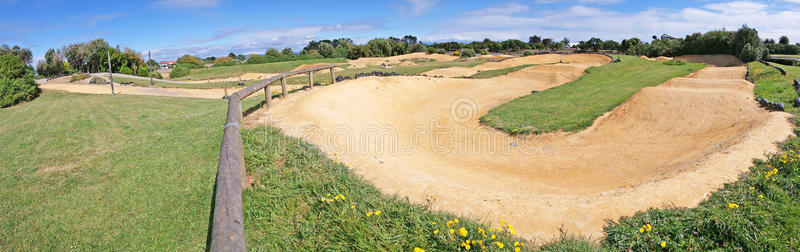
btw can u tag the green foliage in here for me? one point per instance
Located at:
(179, 71)
(575, 105)
(341, 51)
(144, 72)
(467, 53)
(362, 51)
(527, 53)
(190, 61)
(224, 61)
(325, 49)
(431, 50)
(749, 53)
(125, 70)
(484, 51)
(78, 76)
(11, 67)
(23, 54)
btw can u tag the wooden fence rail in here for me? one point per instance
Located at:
(227, 230)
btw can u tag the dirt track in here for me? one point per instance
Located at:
(667, 145)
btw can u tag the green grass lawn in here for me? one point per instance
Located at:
(574, 106)
(232, 71)
(161, 84)
(775, 87)
(497, 72)
(324, 77)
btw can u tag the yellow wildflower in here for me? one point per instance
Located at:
(436, 231)
(649, 227)
(341, 196)
(733, 205)
(641, 230)
(761, 195)
(663, 244)
(455, 221)
(467, 247)
(329, 195)
(434, 223)
(449, 223)
(352, 206)
(499, 244)
(378, 212)
(452, 231)
(502, 222)
(419, 250)
(369, 213)
(752, 188)
(462, 232)
(516, 244)
(493, 237)
(516, 249)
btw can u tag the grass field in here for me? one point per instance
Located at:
(773, 86)
(161, 84)
(498, 72)
(421, 67)
(232, 71)
(574, 106)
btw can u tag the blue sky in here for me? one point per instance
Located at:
(170, 28)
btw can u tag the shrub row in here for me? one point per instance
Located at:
(380, 74)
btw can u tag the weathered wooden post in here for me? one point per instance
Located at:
(333, 79)
(310, 80)
(268, 95)
(110, 78)
(283, 87)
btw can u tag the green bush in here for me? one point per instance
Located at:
(225, 61)
(431, 50)
(484, 52)
(16, 81)
(97, 80)
(749, 53)
(325, 49)
(125, 70)
(78, 76)
(467, 53)
(191, 62)
(179, 71)
(441, 51)
(527, 53)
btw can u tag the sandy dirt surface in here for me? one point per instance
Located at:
(213, 93)
(575, 60)
(406, 63)
(243, 77)
(659, 58)
(418, 137)
(713, 60)
(364, 62)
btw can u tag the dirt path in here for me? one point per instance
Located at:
(213, 93)
(420, 138)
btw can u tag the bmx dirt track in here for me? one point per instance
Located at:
(418, 137)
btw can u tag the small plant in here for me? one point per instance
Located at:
(97, 80)
(484, 52)
(467, 53)
(675, 62)
(179, 71)
(527, 53)
(78, 76)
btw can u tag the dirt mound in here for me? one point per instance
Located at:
(363, 62)
(307, 66)
(582, 60)
(243, 77)
(719, 60)
(495, 57)
(212, 93)
(407, 63)
(667, 145)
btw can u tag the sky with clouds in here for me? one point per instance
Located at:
(170, 28)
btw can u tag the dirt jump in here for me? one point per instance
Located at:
(418, 137)
(578, 62)
(394, 60)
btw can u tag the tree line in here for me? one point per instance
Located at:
(93, 57)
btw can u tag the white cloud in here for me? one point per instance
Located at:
(413, 8)
(581, 1)
(188, 3)
(503, 9)
(580, 22)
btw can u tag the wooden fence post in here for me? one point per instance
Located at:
(333, 79)
(283, 87)
(268, 95)
(310, 79)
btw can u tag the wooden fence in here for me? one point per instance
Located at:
(227, 230)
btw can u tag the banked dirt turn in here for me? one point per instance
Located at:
(418, 137)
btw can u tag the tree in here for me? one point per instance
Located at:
(23, 54)
(548, 42)
(534, 40)
(784, 40)
(241, 57)
(595, 44)
(565, 41)
(272, 52)
(190, 61)
(610, 45)
(630, 45)
(16, 80)
(749, 53)
(325, 49)
(231, 55)
(287, 51)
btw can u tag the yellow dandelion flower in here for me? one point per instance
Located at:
(663, 244)
(493, 237)
(433, 223)
(649, 227)
(733, 205)
(502, 222)
(522, 244)
(516, 249)
(419, 250)
(462, 231)
(369, 213)
(341, 196)
(378, 212)
(436, 231)
(516, 244)
(499, 244)
(473, 242)
(467, 247)
(329, 195)
(452, 231)
(641, 230)
(449, 223)
(513, 232)
(352, 206)
(752, 188)
(455, 221)
(761, 195)
(468, 242)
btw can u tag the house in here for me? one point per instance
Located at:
(166, 63)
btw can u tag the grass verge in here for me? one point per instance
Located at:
(498, 72)
(232, 71)
(574, 106)
(301, 200)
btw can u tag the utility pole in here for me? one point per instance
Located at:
(111, 78)
(150, 68)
